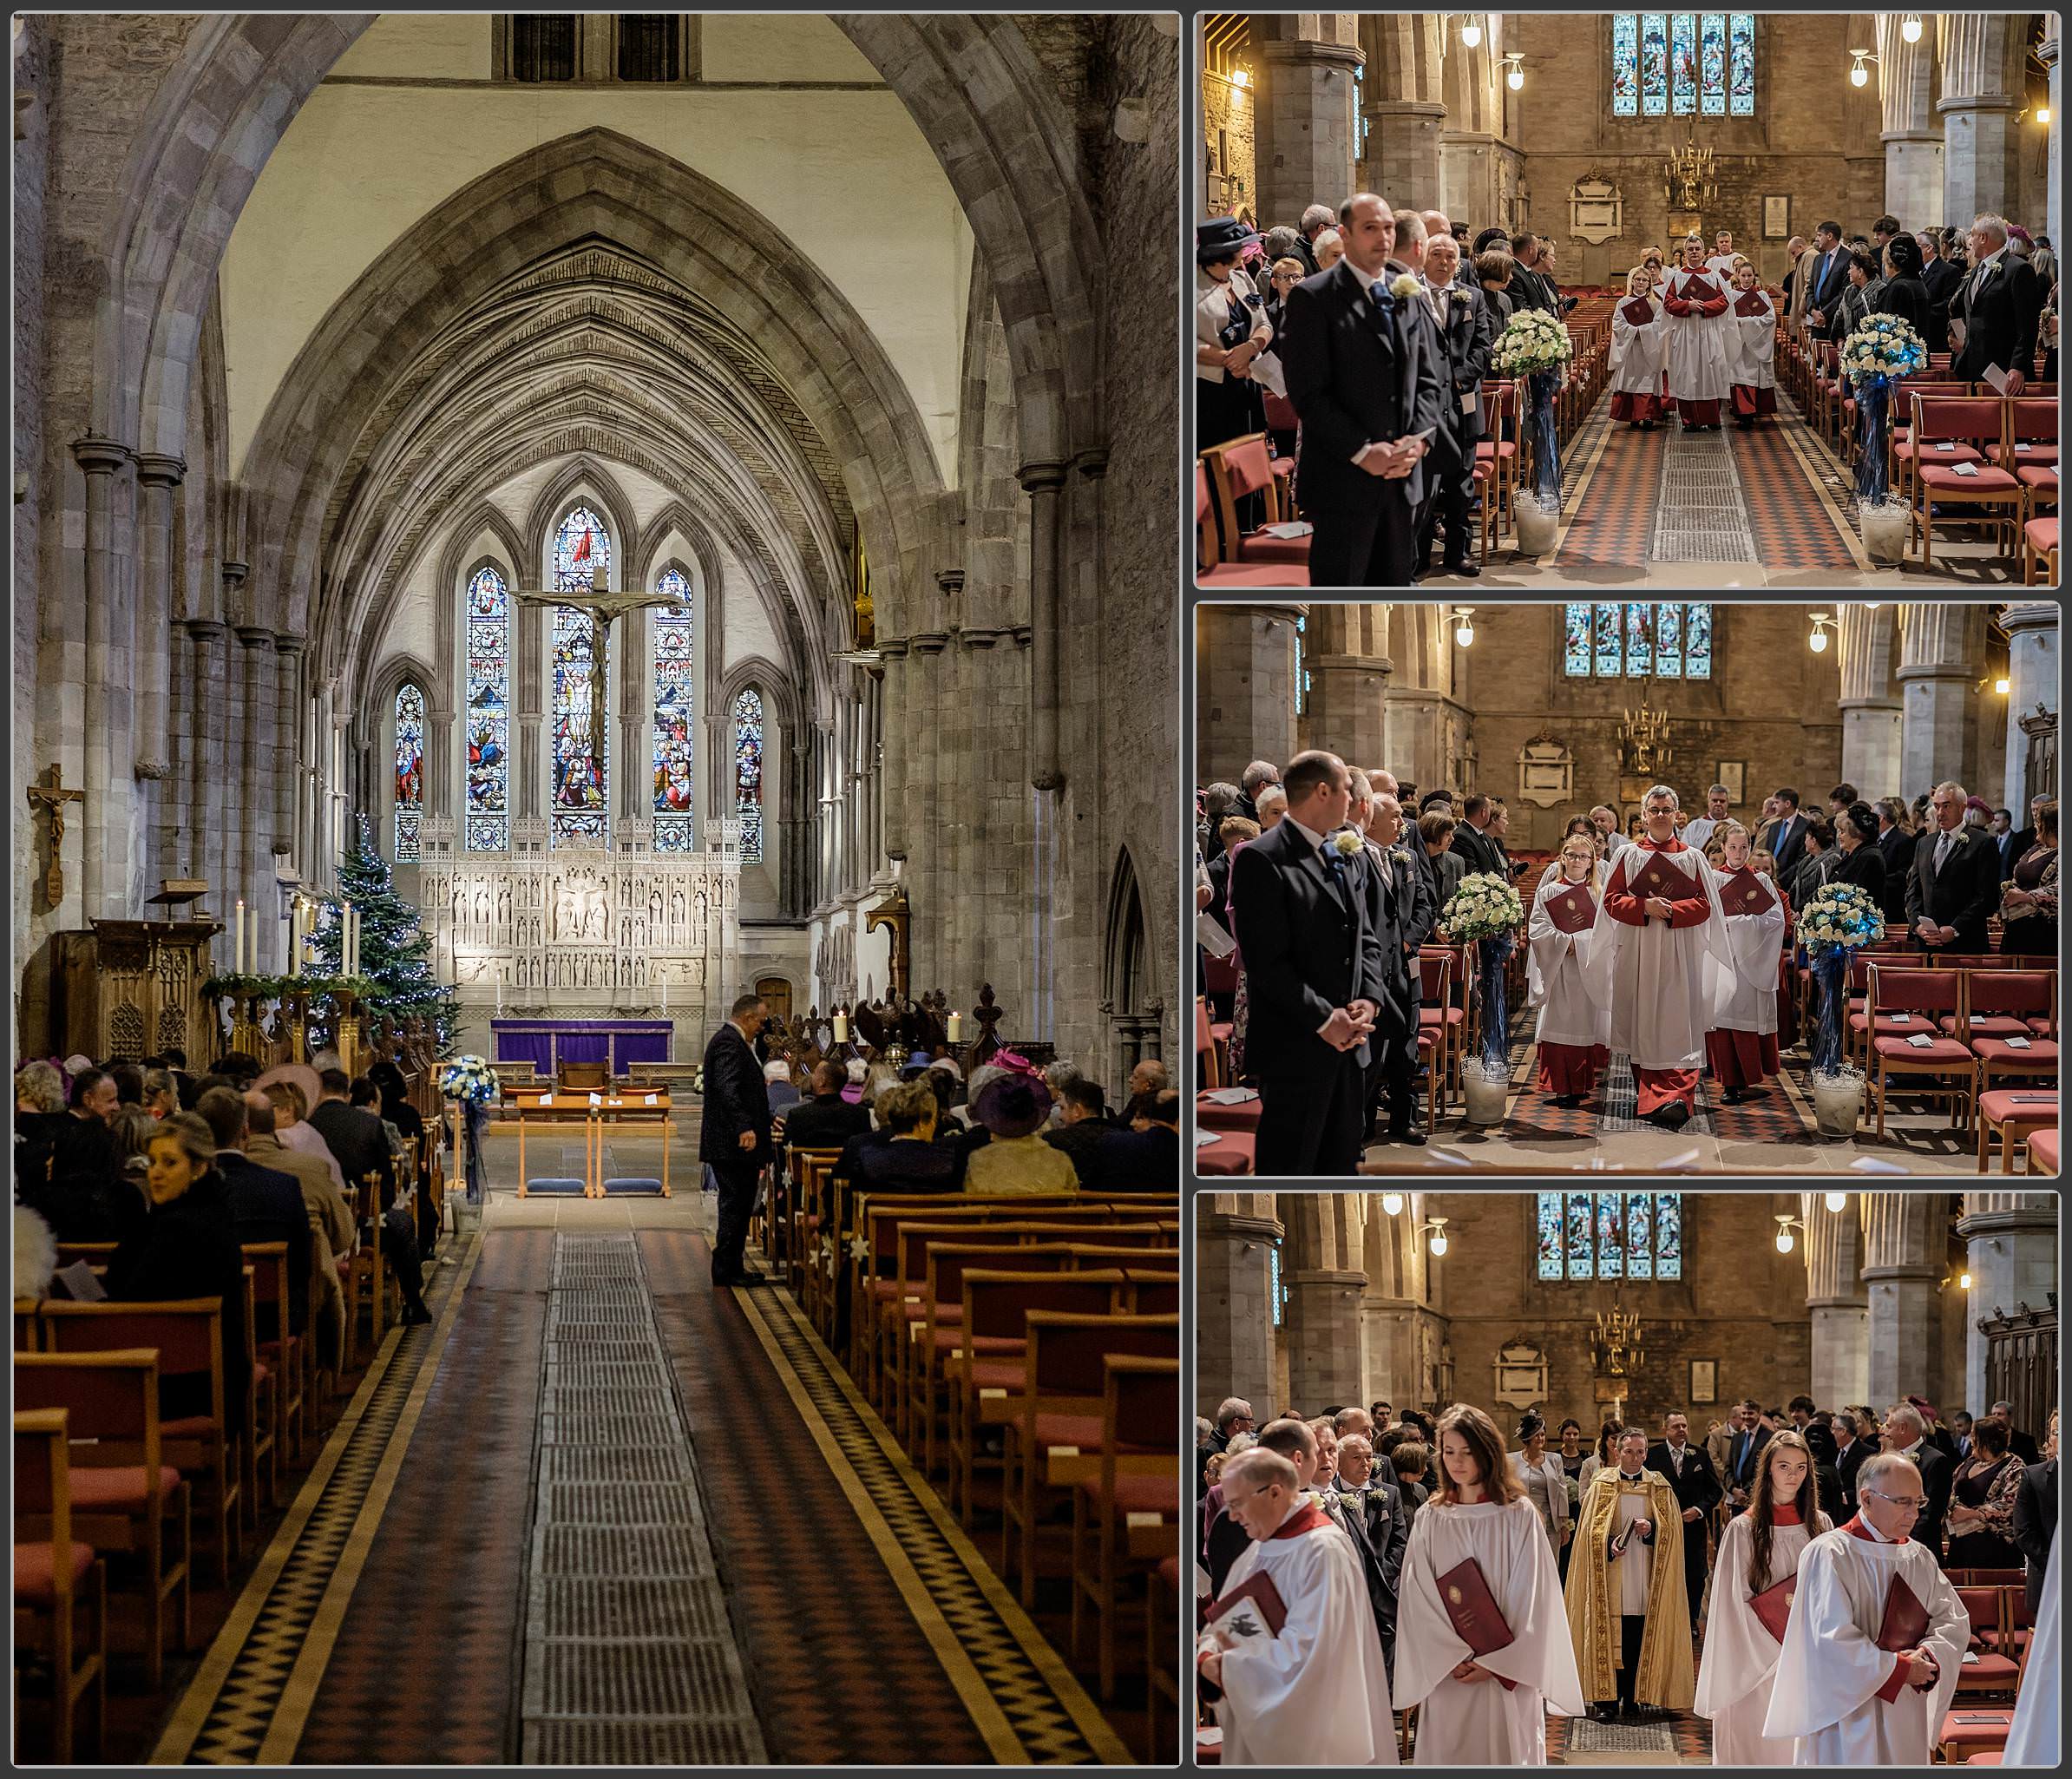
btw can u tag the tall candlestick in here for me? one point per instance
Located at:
(237, 961)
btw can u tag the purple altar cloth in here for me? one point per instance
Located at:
(549, 1043)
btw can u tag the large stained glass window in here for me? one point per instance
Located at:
(1611, 640)
(489, 715)
(409, 771)
(748, 773)
(1611, 1235)
(673, 813)
(1683, 64)
(582, 550)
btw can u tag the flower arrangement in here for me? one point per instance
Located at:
(1532, 341)
(1841, 917)
(469, 1079)
(1883, 345)
(1484, 907)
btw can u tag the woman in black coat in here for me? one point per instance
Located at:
(1858, 860)
(1901, 293)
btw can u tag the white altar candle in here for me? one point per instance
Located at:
(295, 936)
(499, 997)
(842, 1028)
(665, 994)
(237, 960)
(956, 1028)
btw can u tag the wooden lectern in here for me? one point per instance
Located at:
(133, 988)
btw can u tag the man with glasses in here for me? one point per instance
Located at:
(1953, 886)
(1848, 1701)
(1906, 1433)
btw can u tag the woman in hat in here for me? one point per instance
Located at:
(1230, 330)
(1014, 1108)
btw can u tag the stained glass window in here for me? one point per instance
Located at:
(488, 718)
(748, 773)
(1712, 65)
(582, 550)
(1276, 1295)
(410, 770)
(1684, 64)
(1625, 65)
(1741, 64)
(1302, 667)
(1669, 641)
(1610, 1235)
(1655, 64)
(674, 706)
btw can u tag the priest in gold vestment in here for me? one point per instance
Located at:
(1627, 1614)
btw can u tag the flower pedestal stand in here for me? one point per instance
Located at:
(1872, 396)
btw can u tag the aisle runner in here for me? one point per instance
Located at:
(629, 1657)
(1701, 515)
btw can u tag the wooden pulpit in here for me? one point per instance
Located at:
(133, 988)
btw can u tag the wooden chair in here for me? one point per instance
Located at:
(124, 1496)
(1498, 448)
(1992, 1674)
(1446, 1022)
(1162, 1694)
(2039, 545)
(1899, 449)
(1901, 989)
(1980, 423)
(187, 1334)
(2000, 1010)
(1240, 468)
(2015, 1115)
(1132, 1507)
(58, 1580)
(1210, 570)
(2042, 1153)
(366, 1275)
(283, 1352)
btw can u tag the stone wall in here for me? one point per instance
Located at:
(1224, 154)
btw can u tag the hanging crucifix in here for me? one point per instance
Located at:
(602, 606)
(48, 795)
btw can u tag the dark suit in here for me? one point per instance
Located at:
(1697, 1484)
(1358, 371)
(1787, 841)
(189, 1249)
(1309, 949)
(266, 1205)
(1480, 852)
(1742, 1451)
(1940, 279)
(2024, 1446)
(1129, 1161)
(1467, 339)
(1896, 847)
(2036, 1525)
(358, 1144)
(1848, 1464)
(1827, 285)
(1999, 313)
(1938, 1477)
(735, 1102)
(1400, 912)
(1964, 894)
(1380, 1587)
(1387, 1529)
(824, 1122)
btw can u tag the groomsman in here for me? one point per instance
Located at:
(1698, 1492)
(1368, 384)
(1467, 330)
(1954, 885)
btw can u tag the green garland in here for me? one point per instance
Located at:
(279, 988)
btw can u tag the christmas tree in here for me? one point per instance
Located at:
(395, 953)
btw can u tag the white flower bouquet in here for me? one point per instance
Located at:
(1532, 341)
(1841, 917)
(1484, 907)
(471, 1078)
(1883, 345)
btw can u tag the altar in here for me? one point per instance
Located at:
(547, 1044)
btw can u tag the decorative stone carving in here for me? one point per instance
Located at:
(1521, 1374)
(1546, 772)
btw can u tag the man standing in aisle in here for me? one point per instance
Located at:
(733, 1137)
(1697, 1486)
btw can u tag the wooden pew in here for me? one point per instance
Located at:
(56, 1577)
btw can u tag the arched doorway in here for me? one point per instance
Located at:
(1131, 979)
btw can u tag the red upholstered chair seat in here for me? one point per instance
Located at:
(2035, 451)
(1979, 1735)
(950, 1340)
(2041, 535)
(2019, 1103)
(188, 1426)
(1987, 1674)
(1992, 1757)
(2042, 478)
(1136, 1495)
(1244, 1116)
(1945, 1050)
(1899, 1024)
(947, 1315)
(991, 1374)
(2041, 1053)
(1957, 454)
(2043, 1152)
(884, 1289)
(35, 1571)
(1081, 1430)
(1934, 475)
(1259, 548)
(1989, 1025)
(120, 1490)
(1254, 575)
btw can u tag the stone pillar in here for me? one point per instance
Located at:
(1903, 1234)
(1467, 173)
(1234, 1241)
(2011, 1252)
(1936, 672)
(288, 745)
(1245, 687)
(1913, 142)
(2046, 54)
(203, 855)
(1304, 118)
(1348, 688)
(157, 476)
(104, 820)
(2031, 628)
(1837, 1301)
(1042, 482)
(257, 766)
(898, 713)
(234, 811)
(1403, 142)
(1871, 719)
(1981, 135)
(1323, 1332)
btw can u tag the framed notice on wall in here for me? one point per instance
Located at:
(1733, 774)
(1776, 219)
(1703, 1373)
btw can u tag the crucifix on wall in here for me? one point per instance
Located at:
(49, 794)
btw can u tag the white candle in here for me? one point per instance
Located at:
(499, 997)
(238, 946)
(842, 1028)
(665, 994)
(956, 1028)
(295, 938)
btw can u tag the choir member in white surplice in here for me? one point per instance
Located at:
(1636, 349)
(1753, 369)
(1759, 1548)
(1481, 1513)
(1740, 1045)
(1318, 1690)
(1848, 1702)
(1695, 352)
(2033, 1741)
(1575, 1032)
(1646, 963)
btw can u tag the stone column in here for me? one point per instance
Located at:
(231, 710)
(2031, 628)
(206, 705)
(1323, 1332)
(1937, 670)
(1245, 687)
(257, 766)
(1981, 135)
(1403, 142)
(1903, 1235)
(288, 745)
(104, 820)
(1303, 149)
(1913, 142)
(1042, 482)
(1870, 721)
(898, 725)
(157, 476)
(2046, 54)
(1235, 1233)
(1837, 1300)
(2011, 1252)
(1349, 687)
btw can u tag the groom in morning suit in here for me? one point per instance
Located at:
(1314, 964)
(733, 1136)
(1364, 378)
